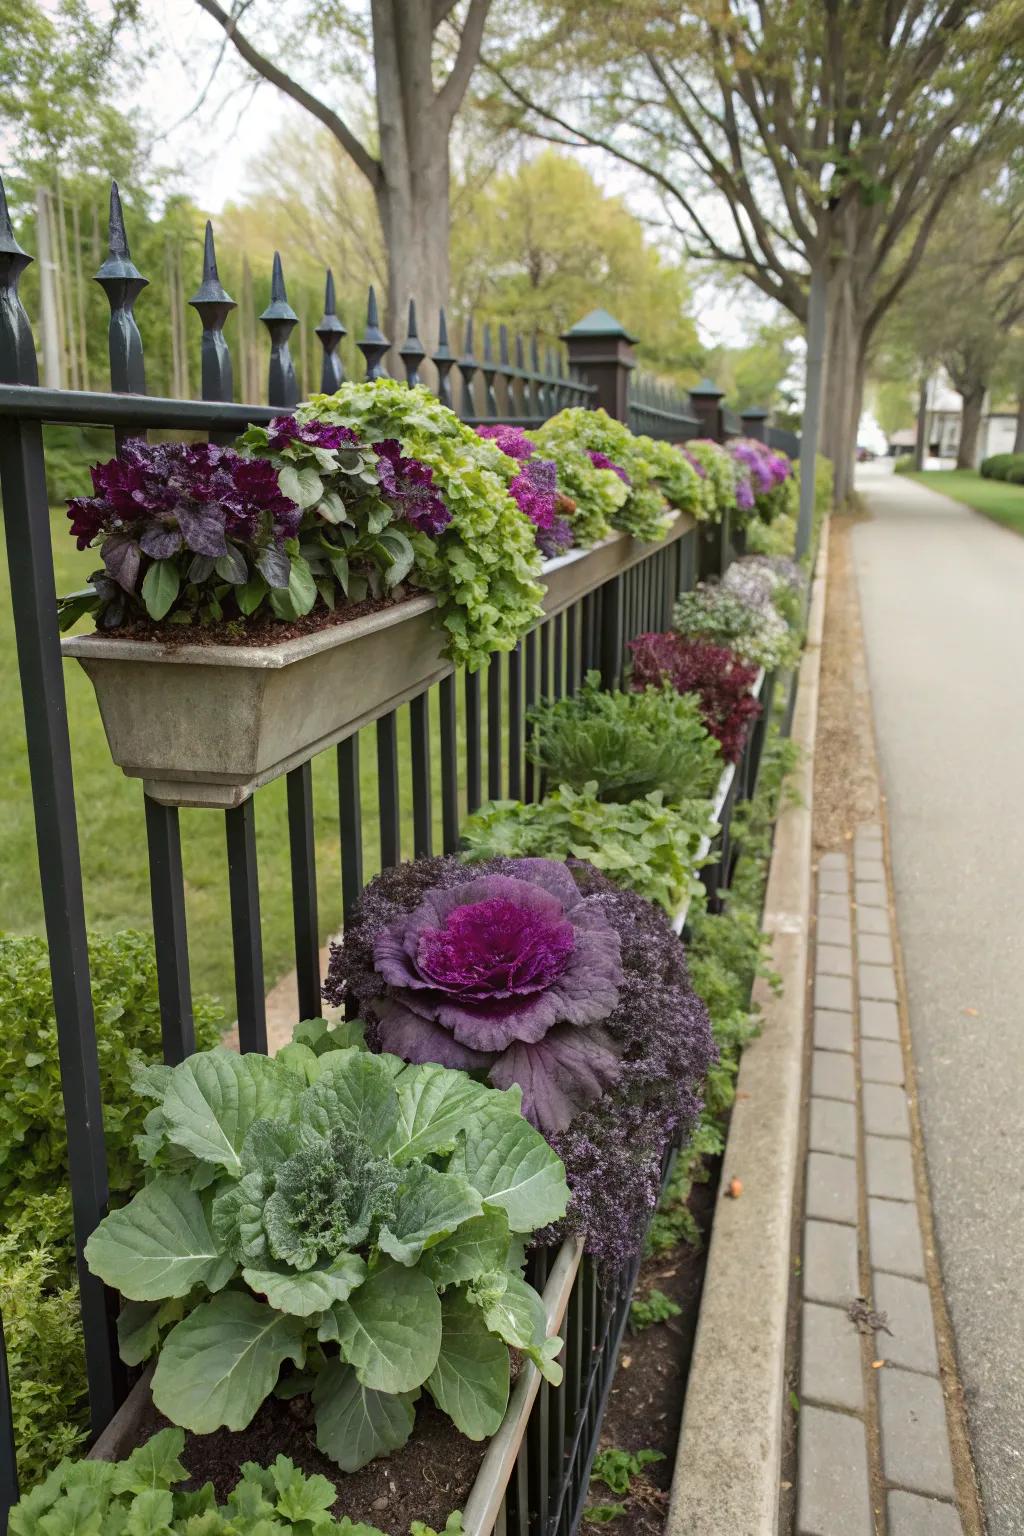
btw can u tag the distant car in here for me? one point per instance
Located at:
(864, 455)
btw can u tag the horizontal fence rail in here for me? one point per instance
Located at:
(437, 754)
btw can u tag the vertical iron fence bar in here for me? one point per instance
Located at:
(170, 931)
(422, 786)
(544, 688)
(122, 282)
(488, 372)
(559, 654)
(304, 897)
(351, 823)
(34, 608)
(611, 633)
(538, 1439)
(444, 361)
(468, 366)
(449, 765)
(213, 305)
(572, 649)
(556, 1451)
(8, 1459)
(494, 733)
(373, 344)
(529, 700)
(412, 351)
(515, 723)
(507, 405)
(474, 764)
(538, 394)
(521, 386)
(387, 790)
(588, 632)
(246, 931)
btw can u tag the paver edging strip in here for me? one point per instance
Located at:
(726, 1479)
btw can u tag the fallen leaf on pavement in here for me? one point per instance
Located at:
(735, 1189)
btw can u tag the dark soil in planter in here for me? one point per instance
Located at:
(258, 631)
(426, 1481)
(645, 1405)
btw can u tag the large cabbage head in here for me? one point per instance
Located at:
(511, 973)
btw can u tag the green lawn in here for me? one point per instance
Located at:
(112, 823)
(995, 498)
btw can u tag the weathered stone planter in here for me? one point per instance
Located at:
(205, 725)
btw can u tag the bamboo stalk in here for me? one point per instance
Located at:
(83, 333)
(67, 297)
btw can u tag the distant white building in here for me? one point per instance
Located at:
(996, 434)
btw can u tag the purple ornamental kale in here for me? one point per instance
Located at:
(314, 434)
(602, 461)
(623, 1112)
(170, 495)
(555, 540)
(508, 973)
(409, 486)
(511, 440)
(695, 463)
(535, 491)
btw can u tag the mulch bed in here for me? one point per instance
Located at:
(645, 1405)
(426, 1481)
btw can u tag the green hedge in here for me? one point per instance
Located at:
(1004, 466)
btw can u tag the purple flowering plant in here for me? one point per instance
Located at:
(186, 531)
(534, 487)
(545, 975)
(764, 479)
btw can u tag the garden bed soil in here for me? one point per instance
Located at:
(256, 631)
(426, 1480)
(645, 1405)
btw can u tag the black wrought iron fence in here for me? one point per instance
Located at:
(466, 734)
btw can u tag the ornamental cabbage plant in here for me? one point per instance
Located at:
(547, 975)
(765, 487)
(753, 629)
(534, 488)
(139, 1497)
(483, 563)
(773, 579)
(629, 744)
(720, 477)
(341, 1214)
(713, 674)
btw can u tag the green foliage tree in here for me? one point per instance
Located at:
(783, 138)
(544, 244)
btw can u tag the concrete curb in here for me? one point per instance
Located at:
(728, 1464)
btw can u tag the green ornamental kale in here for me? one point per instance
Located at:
(139, 1497)
(644, 845)
(342, 1213)
(629, 744)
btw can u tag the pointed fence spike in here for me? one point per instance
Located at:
(503, 345)
(117, 238)
(122, 282)
(373, 344)
(329, 333)
(280, 320)
(489, 370)
(444, 360)
(468, 367)
(17, 347)
(412, 351)
(212, 303)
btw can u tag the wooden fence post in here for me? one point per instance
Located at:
(755, 423)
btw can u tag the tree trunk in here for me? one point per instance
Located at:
(843, 382)
(973, 398)
(921, 438)
(1018, 437)
(414, 215)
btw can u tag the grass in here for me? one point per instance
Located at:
(996, 499)
(111, 821)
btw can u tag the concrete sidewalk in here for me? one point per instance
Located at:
(942, 600)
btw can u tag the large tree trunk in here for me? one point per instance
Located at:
(1018, 436)
(921, 438)
(414, 216)
(844, 382)
(970, 424)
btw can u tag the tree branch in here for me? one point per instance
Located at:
(449, 97)
(356, 151)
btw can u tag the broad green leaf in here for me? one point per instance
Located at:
(138, 1332)
(511, 1165)
(390, 1329)
(299, 595)
(150, 1514)
(300, 1497)
(158, 1245)
(81, 1512)
(217, 1366)
(517, 1315)
(434, 1105)
(214, 1097)
(331, 508)
(153, 1465)
(302, 486)
(160, 586)
(355, 1091)
(471, 1379)
(251, 594)
(428, 1204)
(401, 555)
(354, 1424)
(298, 1058)
(314, 1290)
(232, 567)
(478, 1246)
(322, 1037)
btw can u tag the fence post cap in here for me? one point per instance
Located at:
(755, 413)
(598, 323)
(707, 389)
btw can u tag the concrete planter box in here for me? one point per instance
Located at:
(206, 725)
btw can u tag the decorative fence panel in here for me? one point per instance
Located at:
(466, 735)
